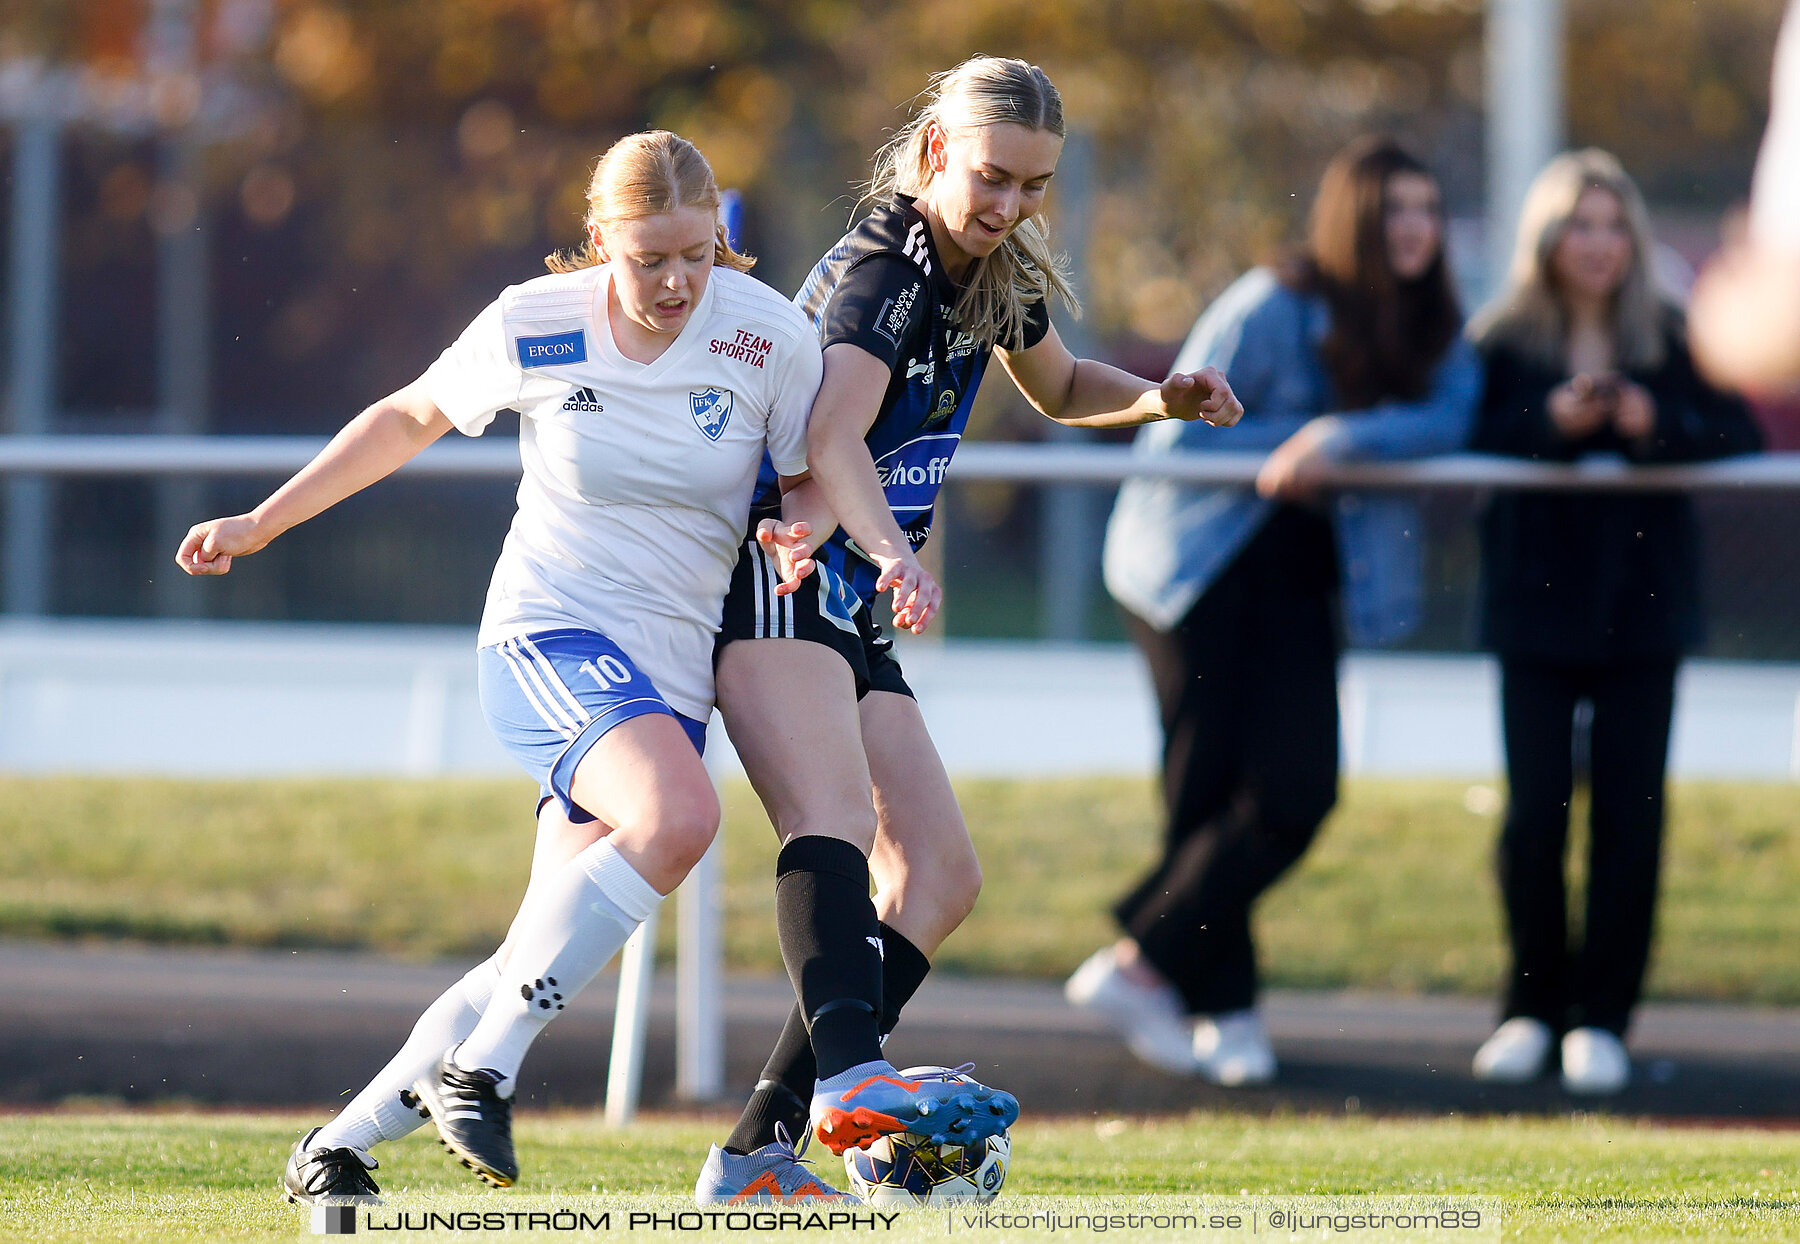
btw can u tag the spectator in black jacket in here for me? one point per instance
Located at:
(1588, 599)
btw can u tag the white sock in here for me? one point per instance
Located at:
(574, 928)
(375, 1114)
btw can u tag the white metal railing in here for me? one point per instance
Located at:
(700, 1021)
(975, 460)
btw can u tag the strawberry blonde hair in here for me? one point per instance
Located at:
(648, 174)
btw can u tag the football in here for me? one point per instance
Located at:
(908, 1170)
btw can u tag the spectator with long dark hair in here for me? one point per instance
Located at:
(1587, 598)
(1352, 351)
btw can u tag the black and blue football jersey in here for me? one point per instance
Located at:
(883, 289)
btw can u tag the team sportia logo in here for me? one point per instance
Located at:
(745, 347)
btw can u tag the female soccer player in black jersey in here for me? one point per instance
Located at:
(951, 267)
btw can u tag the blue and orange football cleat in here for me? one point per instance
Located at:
(772, 1175)
(853, 1108)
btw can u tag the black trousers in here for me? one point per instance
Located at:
(1594, 981)
(1247, 686)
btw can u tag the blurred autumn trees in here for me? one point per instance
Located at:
(377, 169)
(404, 159)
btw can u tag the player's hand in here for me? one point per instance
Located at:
(209, 547)
(917, 595)
(790, 544)
(1204, 395)
(1296, 468)
(1634, 414)
(1744, 320)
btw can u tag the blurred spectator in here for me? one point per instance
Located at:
(1746, 308)
(1779, 419)
(1354, 351)
(1587, 599)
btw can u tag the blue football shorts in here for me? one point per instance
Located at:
(549, 697)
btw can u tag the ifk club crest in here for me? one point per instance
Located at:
(712, 410)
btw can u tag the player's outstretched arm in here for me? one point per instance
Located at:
(806, 522)
(371, 447)
(849, 399)
(1086, 393)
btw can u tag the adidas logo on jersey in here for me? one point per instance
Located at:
(584, 400)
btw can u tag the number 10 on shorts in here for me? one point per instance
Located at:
(606, 671)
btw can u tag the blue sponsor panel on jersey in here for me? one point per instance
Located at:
(912, 473)
(556, 350)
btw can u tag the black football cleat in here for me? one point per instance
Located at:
(473, 1121)
(329, 1176)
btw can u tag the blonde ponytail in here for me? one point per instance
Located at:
(1000, 288)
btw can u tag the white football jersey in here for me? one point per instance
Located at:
(637, 476)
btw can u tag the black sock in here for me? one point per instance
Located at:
(784, 1094)
(830, 943)
(774, 1102)
(903, 969)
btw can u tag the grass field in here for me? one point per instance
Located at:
(76, 1176)
(1398, 894)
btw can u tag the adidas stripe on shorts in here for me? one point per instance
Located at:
(550, 696)
(824, 611)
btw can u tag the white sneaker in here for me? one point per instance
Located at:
(1594, 1063)
(1149, 1017)
(1233, 1049)
(1516, 1053)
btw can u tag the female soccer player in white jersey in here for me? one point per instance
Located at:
(950, 267)
(645, 419)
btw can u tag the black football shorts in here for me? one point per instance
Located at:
(823, 611)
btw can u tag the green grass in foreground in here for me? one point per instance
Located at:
(1397, 894)
(73, 1176)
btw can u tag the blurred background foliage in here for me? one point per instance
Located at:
(375, 170)
(402, 159)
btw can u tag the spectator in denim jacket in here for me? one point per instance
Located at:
(1352, 352)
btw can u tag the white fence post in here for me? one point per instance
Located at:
(625, 1074)
(699, 1019)
(699, 975)
(1524, 112)
(33, 298)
